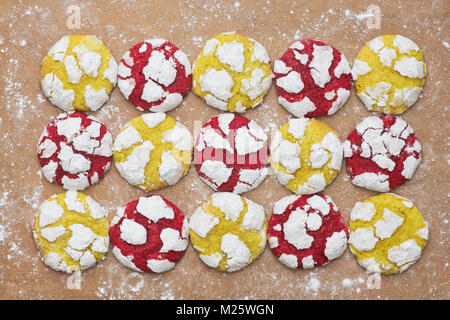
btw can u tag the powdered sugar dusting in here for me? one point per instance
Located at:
(30, 30)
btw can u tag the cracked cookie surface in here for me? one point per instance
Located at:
(306, 231)
(231, 153)
(71, 232)
(155, 75)
(232, 73)
(153, 151)
(389, 74)
(149, 234)
(306, 155)
(228, 231)
(382, 153)
(387, 233)
(312, 79)
(75, 150)
(78, 73)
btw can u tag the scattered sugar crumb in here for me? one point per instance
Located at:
(347, 282)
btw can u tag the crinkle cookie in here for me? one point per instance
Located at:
(71, 232)
(149, 234)
(154, 75)
(231, 153)
(306, 155)
(387, 233)
(228, 231)
(153, 151)
(306, 231)
(382, 153)
(232, 73)
(312, 79)
(75, 150)
(78, 73)
(389, 74)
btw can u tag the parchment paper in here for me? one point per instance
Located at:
(28, 29)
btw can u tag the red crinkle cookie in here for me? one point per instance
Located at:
(312, 79)
(307, 231)
(231, 153)
(149, 234)
(382, 153)
(155, 75)
(75, 150)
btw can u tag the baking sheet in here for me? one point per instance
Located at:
(28, 29)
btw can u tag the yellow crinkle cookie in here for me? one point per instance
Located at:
(153, 151)
(389, 74)
(71, 231)
(306, 155)
(387, 233)
(78, 73)
(228, 231)
(232, 72)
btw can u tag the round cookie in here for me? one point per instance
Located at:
(153, 151)
(228, 231)
(149, 234)
(382, 153)
(71, 232)
(232, 72)
(306, 155)
(306, 231)
(312, 79)
(154, 75)
(78, 73)
(389, 74)
(75, 150)
(387, 233)
(231, 153)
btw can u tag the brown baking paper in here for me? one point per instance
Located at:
(28, 29)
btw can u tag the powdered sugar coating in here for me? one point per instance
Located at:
(312, 79)
(230, 61)
(157, 137)
(149, 234)
(306, 155)
(155, 75)
(307, 231)
(382, 153)
(78, 73)
(389, 74)
(71, 232)
(75, 150)
(228, 231)
(230, 153)
(387, 233)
